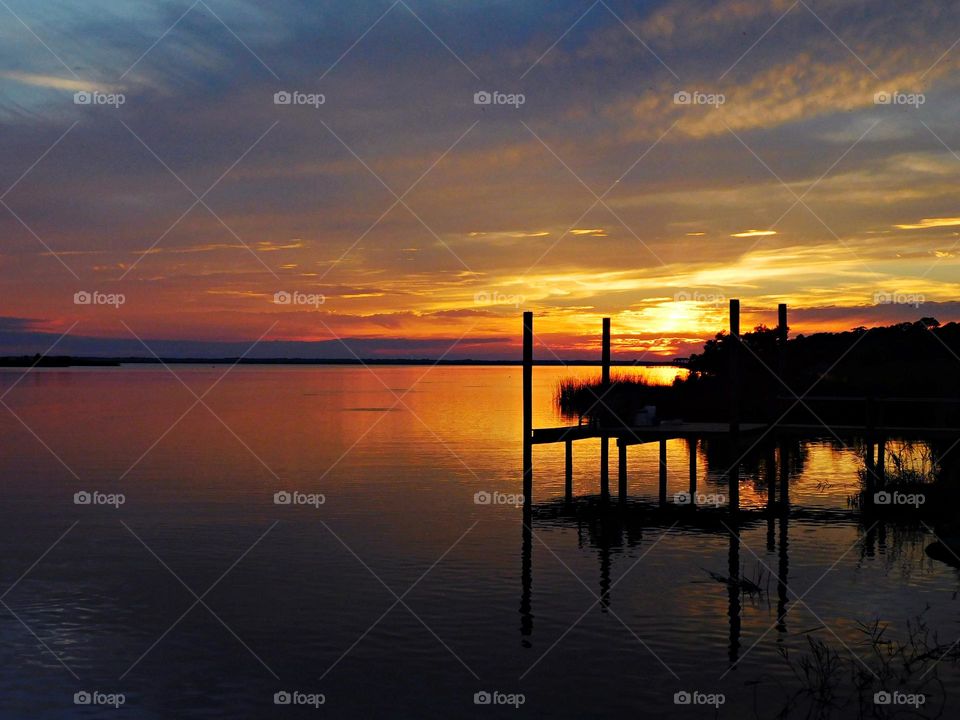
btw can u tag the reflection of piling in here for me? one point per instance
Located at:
(692, 443)
(604, 467)
(526, 577)
(784, 467)
(605, 584)
(568, 472)
(734, 383)
(527, 407)
(733, 593)
(663, 473)
(782, 569)
(770, 470)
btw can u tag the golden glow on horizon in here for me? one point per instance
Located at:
(592, 232)
(754, 233)
(657, 311)
(926, 223)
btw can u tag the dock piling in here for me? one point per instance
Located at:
(782, 335)
(734, 389)
(604, 386)
(871, 474)
(734, 379)
(568, 472)
(605, 355)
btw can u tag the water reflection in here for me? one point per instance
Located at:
(783, 571)
(400, 498)
(526, 574)
(613, 529)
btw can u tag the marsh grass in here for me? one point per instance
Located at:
(837, 681)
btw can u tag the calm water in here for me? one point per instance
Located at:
(297, 597)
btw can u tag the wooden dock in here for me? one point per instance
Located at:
(741, 436)
(640, 434)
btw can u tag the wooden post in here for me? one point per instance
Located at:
(734, 378)
(605, 355)
(693, 470)
(871, 475)
(623, 472)
(663, 473)
(782, 335)
(568, 472)
(527, 406)
(604, 384)
(734, 383)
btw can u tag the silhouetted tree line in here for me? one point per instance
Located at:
(908, 360)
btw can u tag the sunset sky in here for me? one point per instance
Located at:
(424, 219)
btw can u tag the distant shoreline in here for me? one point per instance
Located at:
(67, 362)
